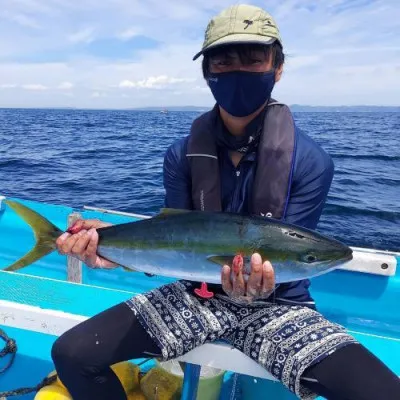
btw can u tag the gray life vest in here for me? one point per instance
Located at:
(274, 165)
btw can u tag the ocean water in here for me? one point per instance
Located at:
(113, 159)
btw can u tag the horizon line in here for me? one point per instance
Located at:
(157, 107)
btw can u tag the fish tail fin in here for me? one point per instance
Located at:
(45, 234)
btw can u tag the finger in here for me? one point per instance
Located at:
(105, 264)
(91, 257)
(61, 240)
(75, 227)
(94, 223)
(91, 249)
(238, 280)
(256, 275)
(91, 223)
(226, 280)
(79, 248)
(268, 284)
(237, 263)
(86, 224)
(69, 243)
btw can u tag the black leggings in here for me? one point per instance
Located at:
(83, 356)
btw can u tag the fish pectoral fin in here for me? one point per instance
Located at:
(126, 269)
(171, 211)
(221, 260)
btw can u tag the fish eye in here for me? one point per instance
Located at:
(309, 258)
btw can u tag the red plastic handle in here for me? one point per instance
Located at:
(204, 292)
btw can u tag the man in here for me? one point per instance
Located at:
(245, 156)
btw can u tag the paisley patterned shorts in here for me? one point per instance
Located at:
(285, 340)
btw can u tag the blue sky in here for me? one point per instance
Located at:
(130, 53)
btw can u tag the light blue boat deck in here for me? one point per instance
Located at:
(365, 304)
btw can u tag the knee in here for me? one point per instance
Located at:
(70, 352)
(73, 353)
(63, 351)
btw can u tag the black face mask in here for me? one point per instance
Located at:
(241, 93)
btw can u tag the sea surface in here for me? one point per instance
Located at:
(113, 159)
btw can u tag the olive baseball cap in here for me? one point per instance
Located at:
(240, 24)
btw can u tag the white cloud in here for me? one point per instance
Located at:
(65, 86)
(337, 52)
(128, 33)
(96, 95)
(368, 49)
(331, 28)
(285, 9)
(21, 19)
(127, 84)
(34, 86)
(85, 35)
(294, 63)
(154, 82)
(33, 6)
(203, 89)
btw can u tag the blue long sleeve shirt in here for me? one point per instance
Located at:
(312, 177)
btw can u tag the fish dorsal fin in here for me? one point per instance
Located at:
(171, 211)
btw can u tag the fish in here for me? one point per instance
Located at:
(195, 245)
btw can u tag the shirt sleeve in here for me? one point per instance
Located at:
(176, 176)
(313, 175)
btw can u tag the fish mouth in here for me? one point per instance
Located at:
(348, 255)
(343, 257)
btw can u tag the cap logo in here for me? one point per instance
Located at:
(248, 23)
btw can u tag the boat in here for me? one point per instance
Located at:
(43, 300)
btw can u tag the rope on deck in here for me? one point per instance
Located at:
(11, 348)
(26, 390)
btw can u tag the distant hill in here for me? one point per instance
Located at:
(301, 108)
(173, 108)
(293, 107)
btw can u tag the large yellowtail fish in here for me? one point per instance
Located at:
(194, 245)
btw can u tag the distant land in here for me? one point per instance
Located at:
(293, 107)
(300, 108)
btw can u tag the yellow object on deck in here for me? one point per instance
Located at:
(165, 381)
(127, 373)
(58, 381)
(159, 384)
(136, 395)
(53, 392)
(162, 382)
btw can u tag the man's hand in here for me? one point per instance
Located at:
(259, 285)
(82, 243)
